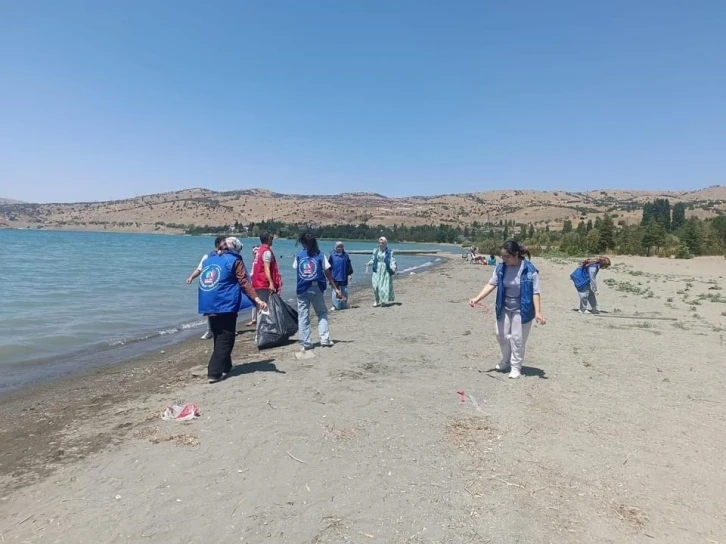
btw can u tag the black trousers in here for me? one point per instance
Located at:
(224, 329)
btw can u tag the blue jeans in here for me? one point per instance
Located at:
(340, 304)
(312, 297)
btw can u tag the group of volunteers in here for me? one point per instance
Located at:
(225, 289)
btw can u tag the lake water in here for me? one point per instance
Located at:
(76, 299)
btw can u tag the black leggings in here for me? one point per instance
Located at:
(224, 329)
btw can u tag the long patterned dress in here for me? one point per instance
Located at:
(382, 281)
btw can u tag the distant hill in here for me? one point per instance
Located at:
(10, 201)
(175, 211)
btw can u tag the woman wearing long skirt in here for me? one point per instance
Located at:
(516, 281)
(384, 267)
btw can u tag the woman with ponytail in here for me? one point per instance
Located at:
(313, 269)
(585, 280)
(516, 281)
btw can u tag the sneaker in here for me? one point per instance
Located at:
(333, 308)
(207, 335)
(328, 344)
(502, 367)
(376, 305)
(216, 379)
(305, 348)
(515, 373)
(585, 312)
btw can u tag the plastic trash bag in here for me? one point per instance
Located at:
(181, 413)
(277, 324)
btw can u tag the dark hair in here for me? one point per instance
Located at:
(310, 243)
(513, 248)
(265, 238)
(218, 240)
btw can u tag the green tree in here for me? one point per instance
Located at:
(607, 233)
(589, 225)
(593, 241)
(693, 236)
(566, 226)
(653, 236)
(679, 216)
(531, 231)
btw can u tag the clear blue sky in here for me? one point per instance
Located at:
(109, 99)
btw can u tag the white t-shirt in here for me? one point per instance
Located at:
(201, 263)
(326, 263)
(267, 256)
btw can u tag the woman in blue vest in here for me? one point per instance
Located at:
(585, 280)
(312, 268)
(516, 281)
(384, 268)
(222, 286)
(342, 269)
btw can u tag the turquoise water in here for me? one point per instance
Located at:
(78, 298)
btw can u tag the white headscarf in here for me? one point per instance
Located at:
(233, 245)
(383, 240)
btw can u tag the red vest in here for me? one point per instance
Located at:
(259, 280)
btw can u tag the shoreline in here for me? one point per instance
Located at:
(44, 364)
(37, 413)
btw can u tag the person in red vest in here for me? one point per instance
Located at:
(266, 276)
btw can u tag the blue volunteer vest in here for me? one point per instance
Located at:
(526, 291)
(386, 260)
(581, 276)
(218, 291)
(339, 267)
(309, 271)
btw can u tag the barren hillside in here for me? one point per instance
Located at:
(172, 212)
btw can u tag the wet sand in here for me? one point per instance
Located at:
(614, 435)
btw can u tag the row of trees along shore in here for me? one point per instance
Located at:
(664, 231)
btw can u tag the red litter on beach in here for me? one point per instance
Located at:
(181, 413)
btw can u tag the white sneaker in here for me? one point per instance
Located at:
(328, 344)
(502, 367)
(207, 335)
(585, 312)
(376, 305)
(515, 373)
(333, 308)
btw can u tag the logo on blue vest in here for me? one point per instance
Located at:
(209, 278)
(307, 268)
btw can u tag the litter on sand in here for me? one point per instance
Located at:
(181, 413)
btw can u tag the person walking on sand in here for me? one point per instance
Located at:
(312, 268)
(384, 267)
(585, 280)
(266, 277)
(516, 281)
(221, 285)
(218, 247)
(342, 270)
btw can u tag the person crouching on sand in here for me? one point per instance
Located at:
(218, 248)
(342, 270)
(516, 281)
(221, 284)
(585, 280)
(384, 267)
(312, 268)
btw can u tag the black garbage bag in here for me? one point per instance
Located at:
(276, 325)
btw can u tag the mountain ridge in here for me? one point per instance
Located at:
(174, 211)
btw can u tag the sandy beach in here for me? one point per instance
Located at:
(614, 435)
